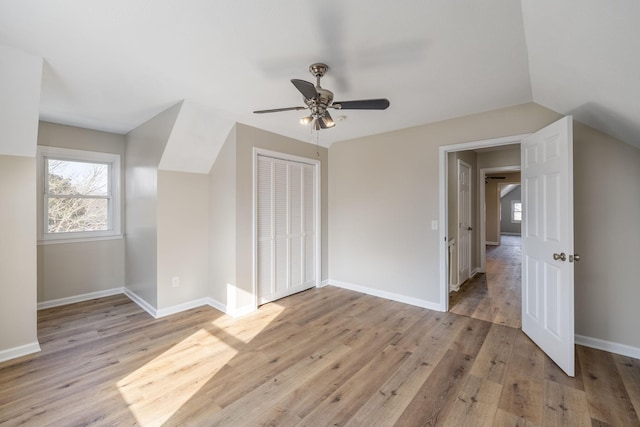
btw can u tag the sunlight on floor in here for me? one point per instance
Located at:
(157, 390)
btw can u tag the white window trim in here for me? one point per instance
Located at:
(513, 211)
(115, 213)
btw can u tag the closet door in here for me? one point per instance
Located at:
(286, 223)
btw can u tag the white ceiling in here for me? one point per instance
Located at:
(113, 64)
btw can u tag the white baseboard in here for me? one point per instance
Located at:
(168, 311)
(22, 350)
(79, 298)
(216, 304)
(323, 284)
(142, 303)
(611, 347)
(492, 243)
(454, 288)
(387, 295)
(510, 234)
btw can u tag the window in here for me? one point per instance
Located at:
(79, 194)
(516, 211)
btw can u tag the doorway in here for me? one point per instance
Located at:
(494, 293)
(547, 236)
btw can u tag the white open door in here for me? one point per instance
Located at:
(547, 241)
(464, 221)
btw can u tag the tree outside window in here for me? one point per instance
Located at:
(79, 195)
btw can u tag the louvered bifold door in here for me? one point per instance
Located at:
(286, 258)
(265, 229)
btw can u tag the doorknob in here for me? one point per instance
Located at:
(574, 257)
(469, 228)
(562, 256)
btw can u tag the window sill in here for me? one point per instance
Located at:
(80, 240)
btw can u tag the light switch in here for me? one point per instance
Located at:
(434, 224)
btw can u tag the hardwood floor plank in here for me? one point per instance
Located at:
(476, 404)
(492, 359)
(388, 403)
(428, 405)
(329, 356)
(606, 393)
(523, 391)
(565, 406)
(495, 295)
(629, 369)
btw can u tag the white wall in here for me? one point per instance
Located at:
(384, 194)
(71, 269)
(20, 79)
(144, 147)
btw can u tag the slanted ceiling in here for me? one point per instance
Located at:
(113, 64)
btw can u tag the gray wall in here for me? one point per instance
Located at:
(506, 226)
(183, 237)
(247, 138)
(17, 252)
(144, 148)
(70, 269)
(222, 223)
(606, 178)
(492, 204)
(20, 77)
(384, 194)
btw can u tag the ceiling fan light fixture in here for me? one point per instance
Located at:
(328, 122)
(306, 120)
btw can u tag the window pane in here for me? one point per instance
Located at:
(69, 214)
(516, 211)
(68, 177)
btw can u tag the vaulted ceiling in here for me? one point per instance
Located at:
(113, 64)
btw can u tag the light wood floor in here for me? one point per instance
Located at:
(323, 357)
(494, 296)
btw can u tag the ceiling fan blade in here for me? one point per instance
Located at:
(308, 90)
(277, 110)
(363, 104)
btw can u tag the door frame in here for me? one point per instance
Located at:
(318, 212)
(443, 211)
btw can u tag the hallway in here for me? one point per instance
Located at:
(494, 296)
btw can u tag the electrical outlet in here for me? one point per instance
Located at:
(175, 281)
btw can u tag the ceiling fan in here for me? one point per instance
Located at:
(319, 100)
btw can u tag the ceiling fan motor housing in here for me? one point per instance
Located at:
(319, 104)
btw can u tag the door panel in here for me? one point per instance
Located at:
(286, 221)
(547, 294)
(464, 221)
